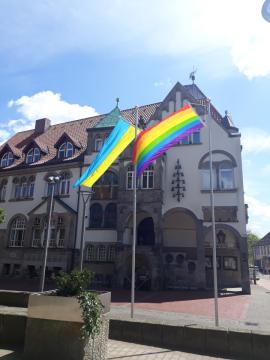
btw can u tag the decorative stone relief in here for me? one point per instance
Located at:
(178, 182)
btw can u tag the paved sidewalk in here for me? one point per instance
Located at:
(127, 351)
(236, 311)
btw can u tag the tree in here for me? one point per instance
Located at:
(252, 239)
(2, 216)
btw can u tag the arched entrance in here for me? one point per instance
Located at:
(228, 257)
(180, 249)
(142, 273)
(146, 232)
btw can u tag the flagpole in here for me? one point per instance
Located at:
(134, 226)
(213, 214)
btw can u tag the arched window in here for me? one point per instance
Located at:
(90, 254)
(66, 150)
(7, 159)
(130, 177)
(147, 179)
(109, 178)
(96, 216)
(110, 216)
(106, 187)
(3, 189)
(33, 155)
(226, 176)
(17, 232)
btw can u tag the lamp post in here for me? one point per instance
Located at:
(52, 180)
(86, 196)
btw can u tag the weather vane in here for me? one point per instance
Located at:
(117, 101)
(192, 75)
(266, 10)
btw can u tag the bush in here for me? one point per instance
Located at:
(73, 283)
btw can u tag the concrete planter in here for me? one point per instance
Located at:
(54, 329)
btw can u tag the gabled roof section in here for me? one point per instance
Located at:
(66, 137)
(164, 105)
(110, 120)
(57, 200)
(264, 241)
(36, 143)
(9, 147)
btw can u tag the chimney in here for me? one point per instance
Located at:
(42, 125)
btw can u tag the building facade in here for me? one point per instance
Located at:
(261, 254)
(174, 241)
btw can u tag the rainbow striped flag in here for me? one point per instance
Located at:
(154, 141)
(120, 137)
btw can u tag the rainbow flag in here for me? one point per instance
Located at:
(154, 141)
(120, 137)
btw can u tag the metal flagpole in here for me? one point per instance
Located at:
(52, 180)
(213, 214)
(134, 226)
(86, 196)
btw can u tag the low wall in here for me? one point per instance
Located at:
(14, 298)
(12, 329)
(245, 345)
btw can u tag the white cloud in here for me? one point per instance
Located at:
(43, 104)
(259, 211)
(155, 27)
(255, 140)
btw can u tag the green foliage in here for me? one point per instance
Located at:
(2, 216)
(252, 239)
(91, 312)
(73, 283)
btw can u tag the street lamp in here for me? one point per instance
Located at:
(86, 196)
(52, 180)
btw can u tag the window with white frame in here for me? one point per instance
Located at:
(23, 187)
(33, 155)
(17, 232)
(147, 178)
(222, 173)
(53, 235)
(66, 150)
(90, 254)
(7, 159)
(226, 176)
(64, 184)
(61, 237)
(101, 253)
(111, 253)
(130, 177)
(98, 144)
(3, 190)
(36, 237)
(194, 138)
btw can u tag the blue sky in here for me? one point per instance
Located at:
(70, 59)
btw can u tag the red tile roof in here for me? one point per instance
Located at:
(76, 130)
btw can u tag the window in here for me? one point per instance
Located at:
(53, 235)
(90, 254)
(61, 237)
(98, 144)
(206, 179)
(101, 253)
(111, 253)
(130, 177)
(17, 232)
(24, 187)
(194, 138)
(110, 216)
(66, 150)
(106, 187)
(96, 216)
(64, 184)
(33, 156)
(230, 263)
(226, 178)
(109, 178)
(147, 179)
(3, 190)
(7, 159)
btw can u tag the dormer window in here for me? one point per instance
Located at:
(33, 156)
(66, 150)
(98, 144)
(7, 159)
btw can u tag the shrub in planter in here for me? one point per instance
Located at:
(72, 325)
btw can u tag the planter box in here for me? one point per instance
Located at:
(54, 329)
